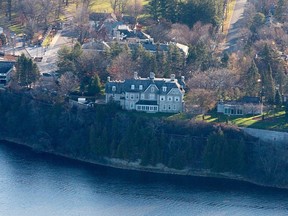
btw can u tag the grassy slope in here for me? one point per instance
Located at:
(272, 121)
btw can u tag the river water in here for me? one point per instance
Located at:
(37, 184)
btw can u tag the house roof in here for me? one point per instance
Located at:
(96, 45)
(5, 66)
(125, 86)
(244, 100)
(151, 47)
(248, 99)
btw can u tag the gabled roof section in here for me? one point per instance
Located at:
(125, 86)
(5, 66)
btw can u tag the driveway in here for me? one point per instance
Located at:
(234, 33)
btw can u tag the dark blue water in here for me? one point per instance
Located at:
(38, 184)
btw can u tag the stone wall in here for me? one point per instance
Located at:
(268, 136)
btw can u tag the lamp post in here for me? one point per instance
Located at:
(13, 45)
(261, 98)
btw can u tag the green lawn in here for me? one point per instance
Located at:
(102, 6)
(105, 6)
(272, 121)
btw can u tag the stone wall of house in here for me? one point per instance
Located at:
(274, 137)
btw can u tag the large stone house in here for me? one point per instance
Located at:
(147, 94)
(6, 68)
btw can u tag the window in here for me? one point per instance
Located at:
(162, 98)
(152, 96)
(138, 107)
(169, 107)
(132, 105)
(127, 96)
(152, 89)
(155, 108)
(113, 88)
(132, 87)
(164, 88)
(239, 112)
(151, 108)
(177, 99)
(174, 107)
(170, 98)
(140, 87)
(132, 96)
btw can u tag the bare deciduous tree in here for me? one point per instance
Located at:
(222, 82)
(134, 8)
(122, 67)
(68, 83)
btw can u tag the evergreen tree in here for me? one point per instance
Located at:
(3, 40)
(68, 58)
(199, 56)
(175, 61)
(278, 99)
(251, 80)
(281, 10)
(115, 50)
(286, 110)
(27, 72)
(154, 9)
(269, 86)
(225, 59)
(258, 21)
(94, 86)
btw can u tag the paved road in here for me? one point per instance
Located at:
(49, 54)
(235, 25)
(49, 61)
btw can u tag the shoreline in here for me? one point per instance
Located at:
(135, 166)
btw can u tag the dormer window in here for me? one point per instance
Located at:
(164, 88)
(140, 87)
(113, 88)
(132, 87)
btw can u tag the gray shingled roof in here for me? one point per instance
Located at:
(125, 86)
(6, 66)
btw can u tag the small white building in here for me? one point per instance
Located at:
(244, 106)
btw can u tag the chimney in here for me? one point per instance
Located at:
(135, 75)
(172, 76)
(152, 75)
(108, 79)
(182, 79)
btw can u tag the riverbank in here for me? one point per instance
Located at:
(136, 166)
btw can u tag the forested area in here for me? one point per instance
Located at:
(187, 12)
(105, 131)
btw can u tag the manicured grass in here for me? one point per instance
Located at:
(105, 5)
(17, 28)
(272, 121)
(47, 40)
(101, 6)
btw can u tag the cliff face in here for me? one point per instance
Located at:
(108, 136)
